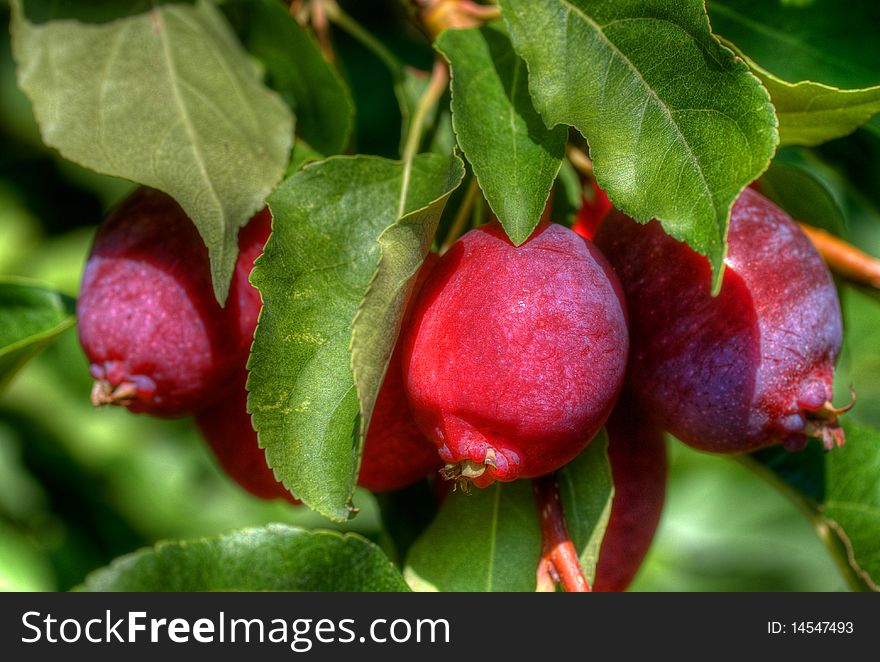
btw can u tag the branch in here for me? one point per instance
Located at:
(843, 258)
(559, 560)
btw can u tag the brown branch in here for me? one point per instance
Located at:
(322, 30)
(559, 560)
(843, 258)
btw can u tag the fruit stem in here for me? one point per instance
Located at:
(559, 560)
(580, 161)
(461, 216)
(436, 87)
(345, 22)
(843, 258)
(322, 30)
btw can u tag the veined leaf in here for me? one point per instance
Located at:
(166, 98)
(274, 558)
(31, 317)
(490, 540)
(812, 113)
(677, 126)
(349, 233)
(296, 68)
(514, 156)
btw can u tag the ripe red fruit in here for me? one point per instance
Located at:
(226, 426)
(396, 453)
(637, 453)
(749, 367)
(593, 210)
(157, 339)
(514, 356)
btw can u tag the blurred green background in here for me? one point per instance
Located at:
(80, 486)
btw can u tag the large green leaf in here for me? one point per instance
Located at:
(167, 98)
(296, 68)
(819, 40)
(349, 233)
(274, 558)
(31, 317)
(840, 494)
(812, 113)
(514, 156)
(676, 125)
(587, 490)
(490, 539)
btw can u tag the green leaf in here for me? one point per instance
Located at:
(168, 99)
(348, 235)
(587, 490)
(514, 156)
(812, 113)
(31, 317)
(488, 540)
(296, 68)
(274, 558)
(806, 188)
(852, 501)
(817, 40)
(676, 125)
(840, 494)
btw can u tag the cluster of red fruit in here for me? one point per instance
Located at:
(510, 359)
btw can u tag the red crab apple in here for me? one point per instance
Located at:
(749, 367)
(514, 356)
(157, 339)
(637, 454)
(226, 427)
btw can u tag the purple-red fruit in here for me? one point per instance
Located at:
(396, 453)
(226, 427)
(747, 368)
(637, 453)
(514, 356)
(157, 339)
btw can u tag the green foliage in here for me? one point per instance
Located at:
(514, 156)
(168, 99)
(490, 539)
(296, 68)
(349, 235)
(275, 558)
(31, 317)
(671, 137)
(197, 98)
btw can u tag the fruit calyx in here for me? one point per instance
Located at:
(105, 393)
(480, 472)
(823, 423)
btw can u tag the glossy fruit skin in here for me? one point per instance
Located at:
(227, 429)
(396, 453)
(157, 340)
(745, 369)
(514, 356)
(637, 454)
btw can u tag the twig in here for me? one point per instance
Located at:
(581, 162)
(436, 87)
(461, 216)
(843, 258)
(345, 22)
(322, 30)
(559, 559)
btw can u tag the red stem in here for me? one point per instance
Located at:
(559, 559)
